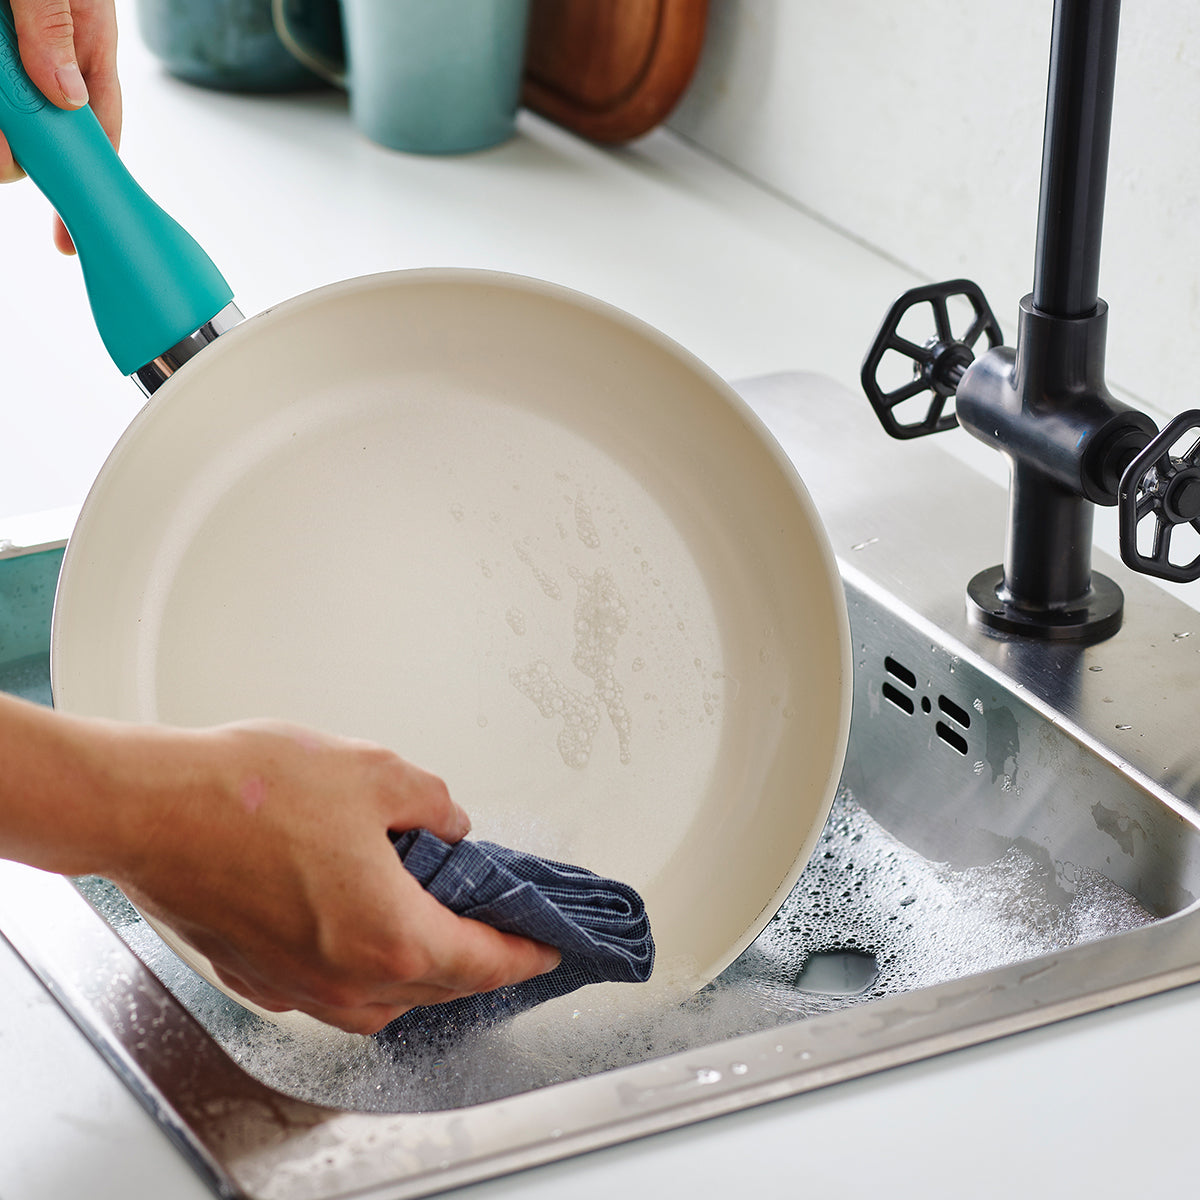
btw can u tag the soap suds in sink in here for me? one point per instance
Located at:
(923, 922)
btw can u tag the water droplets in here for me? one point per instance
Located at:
(600, 618)
(585, 527)
(544, 579)
(579, 713)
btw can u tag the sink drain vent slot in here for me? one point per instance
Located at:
(899, 699)
(958, 715)
(946, 731)
(953, 739)
(902, 675)
(899, 688)
(899, 671)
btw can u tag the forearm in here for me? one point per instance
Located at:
(67, 792)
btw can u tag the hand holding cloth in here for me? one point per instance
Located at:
(599, 925)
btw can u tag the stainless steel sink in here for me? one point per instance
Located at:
(1046, 789)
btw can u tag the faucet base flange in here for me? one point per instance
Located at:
(1096, 618)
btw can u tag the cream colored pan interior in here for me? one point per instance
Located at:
(517, 536)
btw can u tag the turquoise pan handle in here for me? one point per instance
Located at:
(149, 283)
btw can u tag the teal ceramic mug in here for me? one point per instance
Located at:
(426, 76)
(227, 44)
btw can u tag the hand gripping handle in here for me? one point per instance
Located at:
(150, 285)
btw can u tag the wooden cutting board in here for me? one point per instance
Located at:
(610, 70)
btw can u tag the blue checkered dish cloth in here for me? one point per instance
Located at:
(598, 924)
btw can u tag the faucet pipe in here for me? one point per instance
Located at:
(1083, 57)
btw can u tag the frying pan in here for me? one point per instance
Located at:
(503, 528)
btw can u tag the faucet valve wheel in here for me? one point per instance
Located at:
(1159, 491)
(938, 363)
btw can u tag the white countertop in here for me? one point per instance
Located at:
(285, 196)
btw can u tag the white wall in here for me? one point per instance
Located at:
(916, 125)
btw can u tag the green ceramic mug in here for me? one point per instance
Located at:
(426, 76)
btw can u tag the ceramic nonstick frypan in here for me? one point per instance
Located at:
(507, 530)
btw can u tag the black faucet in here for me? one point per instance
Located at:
(1070, 444)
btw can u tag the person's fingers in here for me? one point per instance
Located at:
(436, 957)
(418, 799)
(371, 1017)
(368, 1019)
(62, 239)
(272, 1002)
(46, 37)
(9, 171)
(407, 949)
(96, 47)
(471, 957)
(365, 1018)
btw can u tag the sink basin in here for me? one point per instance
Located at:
(1016, 842)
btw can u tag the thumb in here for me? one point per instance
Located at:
(46, 36)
